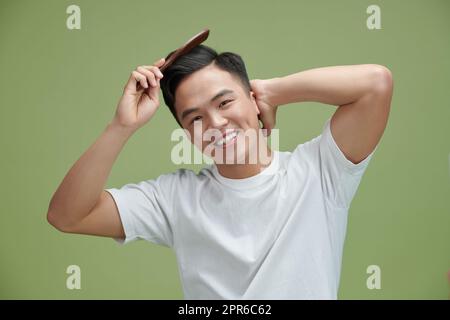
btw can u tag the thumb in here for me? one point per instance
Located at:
(160, 62)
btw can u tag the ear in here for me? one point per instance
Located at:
(253, 97)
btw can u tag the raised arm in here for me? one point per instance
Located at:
(362, 93)
(80, 205)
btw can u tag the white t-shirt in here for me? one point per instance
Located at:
(275, 235)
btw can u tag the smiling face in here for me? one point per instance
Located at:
(213, 100)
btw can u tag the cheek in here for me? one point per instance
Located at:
(200, 140)
(250, 115)
(193, 138)
(245, 112)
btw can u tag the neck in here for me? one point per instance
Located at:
(242, 171)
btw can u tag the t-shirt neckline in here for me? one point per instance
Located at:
(253, 181)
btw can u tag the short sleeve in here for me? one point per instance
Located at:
(144, 211)
(340, 177)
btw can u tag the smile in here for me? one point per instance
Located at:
(228, 140)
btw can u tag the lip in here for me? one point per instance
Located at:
(229, 130)
(231, 142)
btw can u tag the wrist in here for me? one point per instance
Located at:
(120, 130)
(272, 90)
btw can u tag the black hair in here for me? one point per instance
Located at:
(196, 59)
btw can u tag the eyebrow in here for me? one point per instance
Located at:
(217, 96)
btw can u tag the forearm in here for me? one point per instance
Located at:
(336, 85)
(83, 184)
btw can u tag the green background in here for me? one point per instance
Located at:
(60, 87)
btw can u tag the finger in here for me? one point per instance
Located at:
(268, 124)
(132, 83)
(150, 75)
(153, 92)
(160, 62)
(266, 132)
(155, 70)
(142, 79)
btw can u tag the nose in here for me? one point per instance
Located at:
(217, 120)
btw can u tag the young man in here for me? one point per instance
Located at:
(257, 230)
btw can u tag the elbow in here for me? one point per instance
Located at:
(55, 221)
(382, 79)
(52, 220)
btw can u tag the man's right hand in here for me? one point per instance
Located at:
(140, 97)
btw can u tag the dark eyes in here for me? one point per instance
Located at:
(224, 102)
(195, 119)
(220, 105)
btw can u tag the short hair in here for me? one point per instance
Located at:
(196, 59)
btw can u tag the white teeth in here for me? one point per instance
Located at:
(227, 138)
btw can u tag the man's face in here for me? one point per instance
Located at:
(213, 101)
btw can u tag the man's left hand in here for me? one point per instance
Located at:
(267, 111)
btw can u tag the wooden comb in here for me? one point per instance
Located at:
(188, 46)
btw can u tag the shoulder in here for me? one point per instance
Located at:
(306, 152)
(184, 177)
